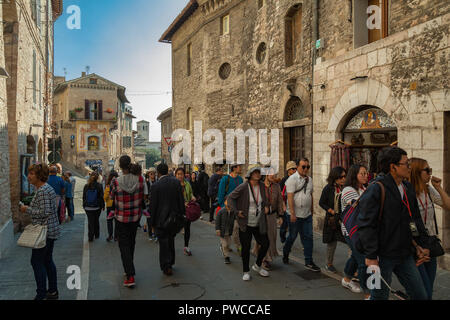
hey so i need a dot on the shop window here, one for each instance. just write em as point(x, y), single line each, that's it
point(93, 143)
point(370, 21)
point(225, 25)
point(293, 32)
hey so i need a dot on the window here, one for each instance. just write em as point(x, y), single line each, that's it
point(93, 110)
point(293, 32)
point(261, 3)
point(189, 57)
point(370, 21)
point(92, 81)
point(225, 25)
point(261, 53)
point(189, 118)
point(224, 71)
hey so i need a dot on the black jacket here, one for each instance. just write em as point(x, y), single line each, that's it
point(166, 199)
point(213, 185)
point(331, 229)
point(100, 200)
point(225, 222)
point(391, 237)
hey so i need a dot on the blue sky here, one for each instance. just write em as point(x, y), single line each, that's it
point(118, 39)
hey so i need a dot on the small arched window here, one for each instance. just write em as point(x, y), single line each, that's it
point(293, 33)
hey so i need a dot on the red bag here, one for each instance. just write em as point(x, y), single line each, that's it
point(193, 211)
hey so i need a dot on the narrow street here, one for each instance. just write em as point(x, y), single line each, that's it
point(201, 276)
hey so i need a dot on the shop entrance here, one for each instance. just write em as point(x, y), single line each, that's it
point(368, 130)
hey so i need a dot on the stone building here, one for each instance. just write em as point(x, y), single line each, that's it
point(245, 64)
point(165, 118)
point(95, 121)
point(377, 87)
point(321, 72)
point(27, 55)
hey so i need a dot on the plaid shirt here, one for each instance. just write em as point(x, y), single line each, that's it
point(43, 210)
point(128, 206)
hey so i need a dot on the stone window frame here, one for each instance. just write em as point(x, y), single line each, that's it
point(359, 20)
point(225, 31)
point(290, 38)
point(224, 71)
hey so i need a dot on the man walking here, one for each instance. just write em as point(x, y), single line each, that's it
point(299, 188)
point(166, 206)
point(127, 192)
point(213, 189)
point(203, 188)
point(57, 183)
point(71, 208)
point(386, 238)
point(291, 168)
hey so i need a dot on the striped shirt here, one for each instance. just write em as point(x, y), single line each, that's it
point(43, 210)
point(348, 195)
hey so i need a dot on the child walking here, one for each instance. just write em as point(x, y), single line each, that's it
point(224, 229)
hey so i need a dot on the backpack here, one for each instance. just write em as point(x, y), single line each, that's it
point(92, 198)
point(350, 216)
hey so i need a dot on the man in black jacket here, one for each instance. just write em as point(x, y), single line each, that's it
point(203, 188)
point(213, 190)
point(387, 240)
point(166, 201)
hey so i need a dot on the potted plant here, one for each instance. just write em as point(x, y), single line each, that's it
point(72, 115)
point(78, 109)
point(109, 110)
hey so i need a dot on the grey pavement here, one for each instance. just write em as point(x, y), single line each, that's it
point(200, 276)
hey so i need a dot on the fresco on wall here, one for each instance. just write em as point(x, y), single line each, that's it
point(92, 136)
point(373, 118)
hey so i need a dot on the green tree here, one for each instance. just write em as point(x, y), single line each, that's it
point(151, 157)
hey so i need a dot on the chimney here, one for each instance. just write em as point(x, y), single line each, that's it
point(83, 74)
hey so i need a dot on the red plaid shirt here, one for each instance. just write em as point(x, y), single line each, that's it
point(128, 206)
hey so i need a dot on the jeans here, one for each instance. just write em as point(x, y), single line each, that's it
point(284, 227)
point(126, 233)
point(246, 241)
point(187, 232)
point(93, 223)
point(357, 261)
point(111, 224)
point(44, 268)
point(428, 273)
point(407, 273)
point(70, 207)
point(166, 249)
point(304, 227)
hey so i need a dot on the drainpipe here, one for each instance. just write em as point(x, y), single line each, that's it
point(315, 36)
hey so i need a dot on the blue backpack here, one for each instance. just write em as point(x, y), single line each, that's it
point(350, 216)
point(91, 198)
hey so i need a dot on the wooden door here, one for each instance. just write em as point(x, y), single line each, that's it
point(297, 143)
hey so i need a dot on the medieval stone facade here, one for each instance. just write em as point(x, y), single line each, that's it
point(27, 55)
point(95, 121)
point(320, 71)
point(165, 118)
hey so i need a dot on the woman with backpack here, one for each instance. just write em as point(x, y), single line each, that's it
point(188, 196)
point(427, 197)
point(355, 185)
point(93, 204)
point(329, 201)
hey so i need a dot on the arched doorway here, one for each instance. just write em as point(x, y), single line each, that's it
point(294, 130)
point(368, 129)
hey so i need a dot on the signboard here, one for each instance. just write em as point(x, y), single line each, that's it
point(94, 162)
point(54, 157)
point(168, 140)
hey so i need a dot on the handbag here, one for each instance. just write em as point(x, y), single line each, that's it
point(193, 211)
point(34, 236)
point(433, 244)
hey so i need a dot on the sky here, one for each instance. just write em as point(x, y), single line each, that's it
point(118, 40)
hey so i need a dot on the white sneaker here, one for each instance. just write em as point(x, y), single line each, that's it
point(246, 276)
point(351, 285)
point(261, 271)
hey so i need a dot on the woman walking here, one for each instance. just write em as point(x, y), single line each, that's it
point(188, 196)
point(111, 222)
point(43, 211)
point(329, 201)
point(249, 201)
point(355, 185)
point(427, 197)
point(93, 204)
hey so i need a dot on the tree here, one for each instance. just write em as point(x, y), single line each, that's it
point(151, 157)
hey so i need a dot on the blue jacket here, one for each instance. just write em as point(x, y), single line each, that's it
point(224, 191)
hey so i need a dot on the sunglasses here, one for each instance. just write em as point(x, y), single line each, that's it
point(306, 167)
point(428, 170)
point(344, 176)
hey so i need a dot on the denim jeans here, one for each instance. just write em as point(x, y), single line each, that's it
point(44, 268)
point(70, 207)
point(304, 227)
point(407, 273)
point(357, 261)
point(428, 273)
point(284, 227)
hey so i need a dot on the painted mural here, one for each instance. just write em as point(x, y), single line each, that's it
point(373, 118)
point(92, 136)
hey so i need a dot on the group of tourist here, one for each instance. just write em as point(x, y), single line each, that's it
point(396, 227)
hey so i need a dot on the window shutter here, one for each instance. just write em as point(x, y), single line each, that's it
point(100, 110)
point(87, 115)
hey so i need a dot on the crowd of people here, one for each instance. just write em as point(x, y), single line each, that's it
point(395, 230)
